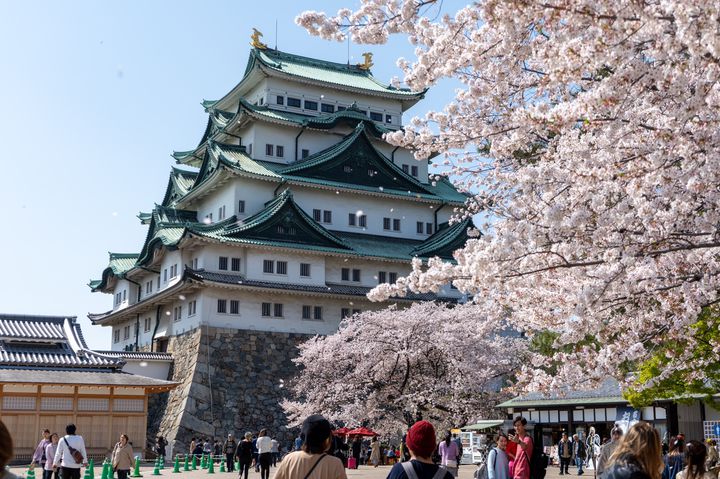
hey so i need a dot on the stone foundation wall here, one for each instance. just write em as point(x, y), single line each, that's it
point(230, 382)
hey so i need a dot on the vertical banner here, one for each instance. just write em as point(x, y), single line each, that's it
point(626, 417)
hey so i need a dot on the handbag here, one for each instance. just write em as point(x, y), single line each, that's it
point(76, 455)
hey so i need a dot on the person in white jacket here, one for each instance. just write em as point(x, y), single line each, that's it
point(64, 457)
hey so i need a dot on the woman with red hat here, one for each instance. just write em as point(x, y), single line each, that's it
point(421, 444)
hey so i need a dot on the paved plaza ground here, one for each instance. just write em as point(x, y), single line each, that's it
point(364, 472)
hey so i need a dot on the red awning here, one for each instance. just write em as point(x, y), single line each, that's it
point(362, 431)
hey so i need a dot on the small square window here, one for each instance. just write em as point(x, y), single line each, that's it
point(317, 215)
point(278, 310)
point(363, 221)
point(266, 309)
point(327, 216)
point(356, 275)
point(428, 228)
point(382, 277)
point(165, 274)
point(241, 206)
point(414, 171)
point(317, 312)
point(305, 270)
point(386, 223)
point(235, 264)
point(327, 108)
point(345, 274)
point(270, 150)
point(294, 102)
point(393, 277)
point(396, 224)
point(406, 169)
point(280, 100)
point(388, 118)
point(420, 227)
point(279, 151)
point(306, 311)
point(351, 219)
point(192, 307)
point(234, 306)
point(344, 313)
point(376, 116)
point(281, 267)
point(223, 263)
point(311, 105)
point(268, 266)
point(222, 306)
point(221, 213)
point(305, 153)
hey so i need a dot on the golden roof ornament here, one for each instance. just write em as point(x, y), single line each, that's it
point(255, 37)
point(368, 61)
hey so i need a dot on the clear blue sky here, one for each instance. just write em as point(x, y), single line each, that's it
point(94, 97)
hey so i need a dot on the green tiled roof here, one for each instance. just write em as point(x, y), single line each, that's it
point(119, 264)
point(180, 182)
point(343, 75)
point(445, 241)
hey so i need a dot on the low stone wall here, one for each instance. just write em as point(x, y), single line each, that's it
point(230, 382)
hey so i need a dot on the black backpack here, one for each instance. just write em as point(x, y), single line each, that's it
point(538, 464)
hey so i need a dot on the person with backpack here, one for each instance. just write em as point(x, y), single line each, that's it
point(524, 452)
point(578, 454)
point(71, 454)
point(498, 464)
point(420, 442)
point(313, 461)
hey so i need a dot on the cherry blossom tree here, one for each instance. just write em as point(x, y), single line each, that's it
point(588, 133)
point(388, 368)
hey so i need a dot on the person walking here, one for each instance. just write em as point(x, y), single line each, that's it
point(421, 443)
point(578, 454)
point(160, 448)
point(448, 454)
point(498, 464)
point(564, 453)
point(375, 452)
point(695, 457)
point(229, 448)
point(675, 459)
point(275, 450)
point(606, 450)
point(122, 457)
point(48, 471)
point(638, 455)
point(39, 454)
point(312, 461)
point(70, 455)
point(264, 448)
point(244, 455)
point(523, 454)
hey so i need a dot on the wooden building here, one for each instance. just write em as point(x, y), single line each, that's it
point(50, 378)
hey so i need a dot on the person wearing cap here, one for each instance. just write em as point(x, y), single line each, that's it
point(312, 461)
point(421, 442)
point(229, 447)
point(606, 450)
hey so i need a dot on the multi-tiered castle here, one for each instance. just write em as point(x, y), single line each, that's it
point(290, 209)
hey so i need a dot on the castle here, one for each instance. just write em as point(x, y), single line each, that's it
point(274, 228)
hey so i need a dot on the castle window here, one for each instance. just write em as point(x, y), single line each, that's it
point(269, 150)
point(281, 267)
point(305, 270)
point(317, 215)
point(382, 277)
point(165, 275)
point(266, 307)
point(327, 216)
point(249, 149)
point(344, 313)
point(429, 228)
point(294, 102)
point(124, 295)
point(173, 271)
point(356, 275)
point(235, 264)
point(317, 312)
point(126, 332)
point(305, 153)
point(222, 306)
point(393, 277)
point(345, 274)
point(386, 223)
point(262, 101)
point(195, 263)
point(414, 171)
point(192, 308)
point(116, 335)
point(241, 206)
point(223, 263)
point(279, 151)
point(158, 282)
point(280, 100)
point(376, 116)
point(351, 219)
point(306, 311)
point(362, 221)
point(388, 118)
point(311, 105)
point(278, 310)
point(177, 313)
point(221, 213)
point(396, 224)
point(420, 227)
point(234, 306)
point(327, 108)
point(268, 266)
point(406, 169)
point(148, 322)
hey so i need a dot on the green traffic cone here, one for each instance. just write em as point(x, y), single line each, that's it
point(161, 462)
point(105, 471)
point(176, 466)
point(91, 467)
point(211, 465)
point(186, 465)
point(222, 465)
point(194, 462)
point(87, 473)
point(156, 470)
point(136, 470)
point(237, 465)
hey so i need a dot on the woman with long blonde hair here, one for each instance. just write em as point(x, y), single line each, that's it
point(638, 456)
